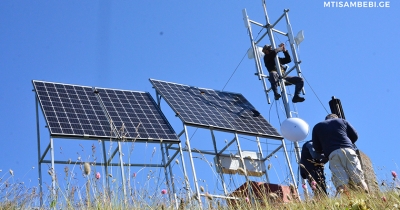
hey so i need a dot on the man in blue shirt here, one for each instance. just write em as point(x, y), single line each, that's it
point(312, 168)
point(335, 137)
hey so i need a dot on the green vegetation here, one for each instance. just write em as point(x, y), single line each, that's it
point(91, 195)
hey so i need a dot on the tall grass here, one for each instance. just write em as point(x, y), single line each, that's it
point(91, 194)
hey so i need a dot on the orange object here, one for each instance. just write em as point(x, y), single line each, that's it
point(263, 192)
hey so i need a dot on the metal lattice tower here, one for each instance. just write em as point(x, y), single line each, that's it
point(270, 27)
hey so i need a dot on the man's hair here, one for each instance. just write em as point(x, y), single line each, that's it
point(331, 116)
point(267, 47)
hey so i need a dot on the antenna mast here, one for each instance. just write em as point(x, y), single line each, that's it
point(261, 76)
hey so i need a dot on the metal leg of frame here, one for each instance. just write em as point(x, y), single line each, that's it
point(121, 161)
point(262, 155)
point(164, 162)
point(107, 184)
point(39, 154)
point(290, 166)
point(218, 161)
point(53, 170)
point(196, 185)
point(244, 166)
point(171, 178)
point(185, 172)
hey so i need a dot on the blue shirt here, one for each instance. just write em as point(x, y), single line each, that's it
point(333, 134)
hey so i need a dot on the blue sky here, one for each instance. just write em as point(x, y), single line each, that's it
point(349, 53)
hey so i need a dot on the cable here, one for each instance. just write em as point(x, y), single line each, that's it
point(234, 72)
point(239, 64)
point(269, 112)
point(314, 93)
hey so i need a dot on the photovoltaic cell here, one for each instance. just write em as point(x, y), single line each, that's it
point(218, 109)
point(136, 115)
point(72, 110)
point(80, 111)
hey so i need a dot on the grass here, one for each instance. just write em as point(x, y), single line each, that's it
point(91, 195)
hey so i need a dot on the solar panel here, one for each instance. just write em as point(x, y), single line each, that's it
point(136, 115)
point(72, 110)
point(218, 109)
point(81, 111)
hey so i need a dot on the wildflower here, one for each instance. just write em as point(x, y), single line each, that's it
point(98, 175)
point(164, 191)
point(313, 185)
point(384, 198)
point(304, 186)
point(11, 172)
point(394, 174)
point(86, 168)
point(247, 200)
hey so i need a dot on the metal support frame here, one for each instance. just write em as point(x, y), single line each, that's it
point(49, 151)
point(270, 31)
point(216, 153)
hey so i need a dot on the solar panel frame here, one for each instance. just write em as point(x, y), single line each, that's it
point(220, 110)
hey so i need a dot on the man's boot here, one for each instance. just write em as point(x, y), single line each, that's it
point(277, 96)
point(297, 98)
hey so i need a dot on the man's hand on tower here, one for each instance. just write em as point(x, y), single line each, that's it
point(282, 46)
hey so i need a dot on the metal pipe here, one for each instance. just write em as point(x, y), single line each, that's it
point(218, 161)
point(279, 32)
point(262, 155)
point(105, 166)
point(226, 147)
point(272, 153)
point(53, 170)
point(196, 185)
point(38, 144)
point(122, 171)
point(45, 153)
point(184, 171)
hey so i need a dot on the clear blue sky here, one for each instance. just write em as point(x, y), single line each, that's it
point(349, 53)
